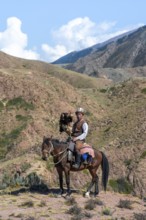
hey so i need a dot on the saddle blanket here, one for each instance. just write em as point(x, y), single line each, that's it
point(87, 149)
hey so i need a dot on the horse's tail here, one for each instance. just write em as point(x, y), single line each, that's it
point(105, 170)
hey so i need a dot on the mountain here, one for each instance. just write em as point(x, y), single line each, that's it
point(75, 55)
point(33, 94)
point(128, 51)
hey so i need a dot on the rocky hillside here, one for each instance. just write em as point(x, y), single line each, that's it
point(33, 95)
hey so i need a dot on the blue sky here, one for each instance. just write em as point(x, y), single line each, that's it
point(48, 29)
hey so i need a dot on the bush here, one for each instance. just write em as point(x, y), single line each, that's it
point(143, 90)
point(121, 185)
point(125, 204)
point(8, 140)
point(140, 216)
point(74, 210)
point(19, 102)
point(90, 205)
point(28, 203)
point(143, 155)
point(106, 211)
point(70, 201)
point(1, 106)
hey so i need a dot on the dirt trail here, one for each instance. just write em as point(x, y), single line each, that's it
point(35, 206)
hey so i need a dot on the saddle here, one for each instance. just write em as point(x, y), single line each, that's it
point(87, 154)
point(86, 148)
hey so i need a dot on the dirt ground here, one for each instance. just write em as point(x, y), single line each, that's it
point(35, 206)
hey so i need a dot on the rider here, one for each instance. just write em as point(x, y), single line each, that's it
point(79, 133)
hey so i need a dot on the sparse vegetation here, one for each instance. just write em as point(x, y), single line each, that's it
point(143, 155)
point(28, 204)
point(126, 204)
point(127, 162)
point(23, 118)
point(90, 204)
point(140, 216)
point(19, 102)
point(42, 203)
point(74, 210)
point(106, 211)
point(143, 90)
point(70, 201)
point(1, 106)
point(120, 185)
point(25, 166)
point(8, 140)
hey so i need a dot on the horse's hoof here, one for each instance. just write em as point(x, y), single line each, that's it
point(96, 195)
point(87, 194)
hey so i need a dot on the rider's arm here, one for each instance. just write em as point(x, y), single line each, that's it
point(85, 132)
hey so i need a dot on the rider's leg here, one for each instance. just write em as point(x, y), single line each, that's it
point(78, 146)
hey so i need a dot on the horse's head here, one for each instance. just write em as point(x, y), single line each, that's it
point(65, 123)
point(47, 147)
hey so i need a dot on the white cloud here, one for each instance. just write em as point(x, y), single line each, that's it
point(79, 34)
point(14, 42)
point(54, 53)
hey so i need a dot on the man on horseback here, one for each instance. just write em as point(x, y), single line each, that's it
point(79, 133)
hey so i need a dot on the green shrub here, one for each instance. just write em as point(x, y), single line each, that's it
point(28, 203)
point(23, 118)
point(140, 216)
point(90, 204)
point(106, 211)
point(127, 162)
point(1, 106)
point(7, 141)
point(70, 201)
point(125, 204)
point(14, 134)
point(143, 155)
point(19, 102)
point(143, 90)
point(103, 90)
point(25, 166)
point(74, 210)
point(121, 185)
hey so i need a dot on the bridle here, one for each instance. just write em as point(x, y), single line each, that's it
point(50, 152)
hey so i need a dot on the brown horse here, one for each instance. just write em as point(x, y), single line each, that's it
point(59, 152)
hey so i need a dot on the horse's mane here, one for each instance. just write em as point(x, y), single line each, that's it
point(56, 142)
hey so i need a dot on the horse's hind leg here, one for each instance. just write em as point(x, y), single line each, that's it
point(89, 189)
point(94, 181)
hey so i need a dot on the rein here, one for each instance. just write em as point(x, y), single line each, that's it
point(55, 155)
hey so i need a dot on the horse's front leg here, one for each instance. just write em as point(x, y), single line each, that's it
point(96, 186)
point(67, 176)
point(60, 173)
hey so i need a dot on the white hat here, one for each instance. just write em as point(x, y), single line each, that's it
point(80, 110)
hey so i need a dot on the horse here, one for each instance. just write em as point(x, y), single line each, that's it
point(59, 151)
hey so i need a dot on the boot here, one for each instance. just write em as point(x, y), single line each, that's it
point(77, 161)
point(69, 155)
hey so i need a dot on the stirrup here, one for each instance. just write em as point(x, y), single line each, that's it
point(85, 162)
point(76, 165)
